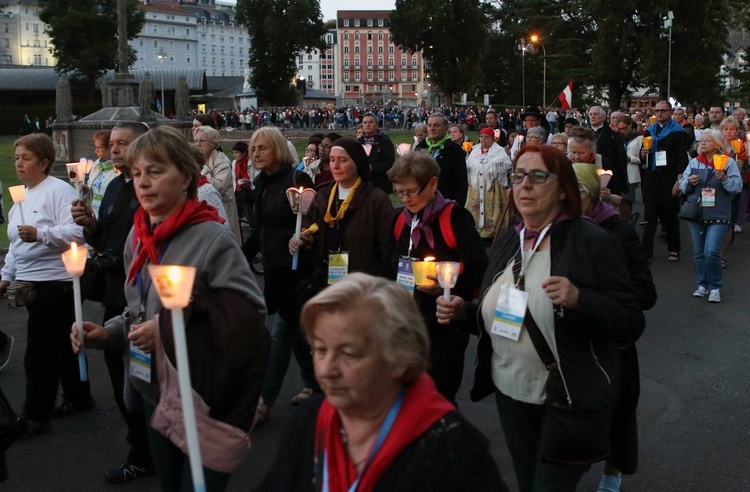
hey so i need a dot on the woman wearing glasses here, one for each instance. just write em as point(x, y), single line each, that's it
point(556, 300)
point(488, 167)
point(420, 232)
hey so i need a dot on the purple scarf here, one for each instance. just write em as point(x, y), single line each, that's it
point(529, 234)
point(601, 212)
point(429, 215)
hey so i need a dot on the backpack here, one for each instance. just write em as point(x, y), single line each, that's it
point(444, 220)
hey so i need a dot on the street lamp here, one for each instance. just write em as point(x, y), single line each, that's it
point(537, 39)
point(161, 56)
point(668, 25)
point(522, 47)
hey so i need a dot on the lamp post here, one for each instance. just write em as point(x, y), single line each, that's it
point(522, 47)
point(668, 25)
point(161, 56)
point(537, 39)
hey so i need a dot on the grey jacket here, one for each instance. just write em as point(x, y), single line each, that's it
point(722, 209)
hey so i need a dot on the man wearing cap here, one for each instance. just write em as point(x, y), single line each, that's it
point(531, 118)
point(453, 182)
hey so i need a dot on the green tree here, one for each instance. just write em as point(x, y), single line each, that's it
point(84, 35)
point(452, 36)
point(279, 31)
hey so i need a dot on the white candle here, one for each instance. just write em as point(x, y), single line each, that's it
point(300, 201)
point(18, 194)
point(75, 263)
point(175, 285)
point(447, 274)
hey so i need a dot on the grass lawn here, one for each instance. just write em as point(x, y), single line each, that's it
point(8, 173)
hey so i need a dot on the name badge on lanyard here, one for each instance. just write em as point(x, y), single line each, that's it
point(140, 363)
point(661, 158)
point(708, 197)
point(338, 266)
point(510, 311)
point(405, 275)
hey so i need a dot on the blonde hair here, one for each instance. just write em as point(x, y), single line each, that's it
point(281, 153)
point(394, 319)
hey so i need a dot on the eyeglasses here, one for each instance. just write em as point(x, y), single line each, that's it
point(535, 176)
point(404, 195)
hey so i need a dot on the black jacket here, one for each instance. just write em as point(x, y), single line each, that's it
point(610, 146)
point(451, 456)
point(382, 156)
point(453, 182)
point(586, 338)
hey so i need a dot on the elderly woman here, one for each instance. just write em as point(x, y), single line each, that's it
point(351, 221)
point(556, 300)
point(226, 336)
point(712, 188)
point(275, 224)
point(218, 171)
point(582, 148)
point(34, 276)
point(730, 131)
point(560, 141)
point(370, 351)
point(431, 226)
point(624, 432)
point(488, 167)
point(536, 136)
point(420, 133)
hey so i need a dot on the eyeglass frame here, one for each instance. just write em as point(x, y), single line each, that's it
point(536, 172)
point(409, 195)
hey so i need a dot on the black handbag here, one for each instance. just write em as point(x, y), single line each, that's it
point(569, 436)
point(691, 211)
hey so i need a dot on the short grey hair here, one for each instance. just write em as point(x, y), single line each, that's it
point(443, 118)
point(211, 134)
point(537, 131)
point(561, 137)
point(716, 136)
point(421, 126)
point(391, 316)
point(600, 109)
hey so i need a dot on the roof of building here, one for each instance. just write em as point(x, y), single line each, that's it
point(195, 78)
point(316, 94)
point(45, 78)
point(363, 14)
point(222, 83)
point(168, 7)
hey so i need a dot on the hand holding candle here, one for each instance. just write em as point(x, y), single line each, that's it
point(604, 176)
point(422, 269)
point(447, 275)
point(720, 161)
point(18, 194)
point(300, 201)
point(75, 262)
point(175, 285)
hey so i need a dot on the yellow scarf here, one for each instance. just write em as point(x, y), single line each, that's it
point(344, 206)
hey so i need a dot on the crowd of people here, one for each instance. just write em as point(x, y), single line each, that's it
point(551, 277)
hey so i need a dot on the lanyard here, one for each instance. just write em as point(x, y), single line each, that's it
point(143, 289)
point(385, 429)
point(524, 260)
point(414, 223)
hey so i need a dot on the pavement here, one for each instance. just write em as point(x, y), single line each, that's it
point(693, 414)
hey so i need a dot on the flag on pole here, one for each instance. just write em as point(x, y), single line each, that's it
point(566, 96)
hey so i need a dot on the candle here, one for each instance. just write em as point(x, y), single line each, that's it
point(736, 145)
point(520, 139)
point(468, 146)
point(75, 262)
point(604, 177)
point(175, 285)
point(403, 148)
point(652, 119)
point(747, 136)
point(300, 201)
point(720, 161)
point(422, 269)
point(18, 194)
point(647, 142)
point(447, 274)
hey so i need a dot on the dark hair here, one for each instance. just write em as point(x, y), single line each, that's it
point(241, 147)
point(558, 164)
point(357, 154)
point(332, 136)
point(314, 140)
point(136, 128)
point(626, 120)
point(41, 146)
point(205, 120)
point(321, 136)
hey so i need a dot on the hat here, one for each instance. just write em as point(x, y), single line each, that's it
point(572, 121)
point(356, 153)
point(531, 111)
point(588, 176)
point(487, 131)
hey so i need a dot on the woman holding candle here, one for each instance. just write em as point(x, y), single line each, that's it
point(420, 234)
point(624, 433)
point(34, 266)
point(381, 425)
point(488, 167)
point(218, 171)
point(556, 300)
point(735, 147)
point(712, 183)
point(226, 336)
point(275, 225)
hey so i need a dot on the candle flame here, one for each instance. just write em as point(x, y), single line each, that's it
point(429, 258)
point(74, 248)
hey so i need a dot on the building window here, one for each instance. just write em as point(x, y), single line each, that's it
point(390, 49)
point(346, 49)
point(380, 22)
point(414, 62)
point(7, 59)
point(309, 57)
point(369, 76)
point(356, 36)
point(380, 62)
point(171, 45)
point(369, 36)
point(380, 36)
point(346, 22)
point(369, 22)
point(309, 67)
point(187, 32)
point(369, 49)
point(187, 46)
point(356, 49)
point(380, 49)
point(356, 22)
point(391, 76)
point(380, 76)
point(156, 43)
point(356, 76)
point(346, 36)
point(187, 59)
point(346, 62)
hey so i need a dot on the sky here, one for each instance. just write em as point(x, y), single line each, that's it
point(329, 7)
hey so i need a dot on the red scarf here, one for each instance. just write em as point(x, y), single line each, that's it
point(422, 407)
point(151, 240)
point(702, 159)
point(202, 180)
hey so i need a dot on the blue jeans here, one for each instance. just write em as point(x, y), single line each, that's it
point(285, 339)
point(707, 239)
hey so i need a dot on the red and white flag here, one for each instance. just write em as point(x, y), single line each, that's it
point(566, 96)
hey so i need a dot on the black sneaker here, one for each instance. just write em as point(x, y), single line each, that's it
point(33, 428)
point(127, 472)
point(67, 408)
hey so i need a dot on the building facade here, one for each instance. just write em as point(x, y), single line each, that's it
point(371, 68)
point(22, 37)
point(319, 69)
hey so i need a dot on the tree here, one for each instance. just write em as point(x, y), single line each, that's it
point(452, 36)
point(84, 35)
point(279, 31)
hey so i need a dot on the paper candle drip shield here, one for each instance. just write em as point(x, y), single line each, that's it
point(300, 199)
point(604, 176)
point(403, 148)
point(736, 145)
point(447, 273)
point(17, 193)
point(173, 283)
point(75, 260)
point(647, 143)
point(720, 161)
point(467, 146)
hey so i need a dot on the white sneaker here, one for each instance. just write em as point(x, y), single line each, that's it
point(737, 228)
point(714, 296)
point(701, 292)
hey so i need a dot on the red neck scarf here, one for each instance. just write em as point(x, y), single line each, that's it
point(422, 406)
point(152, 239)
point(702, 159)
point(202, 180)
